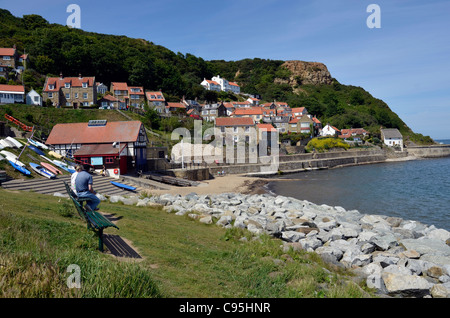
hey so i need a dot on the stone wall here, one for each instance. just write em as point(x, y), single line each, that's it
point(434, 151)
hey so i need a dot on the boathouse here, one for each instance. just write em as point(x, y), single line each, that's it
point(120, 147)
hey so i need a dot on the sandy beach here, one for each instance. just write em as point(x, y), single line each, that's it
point(224, 184)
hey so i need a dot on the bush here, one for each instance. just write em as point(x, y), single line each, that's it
point(325, 144)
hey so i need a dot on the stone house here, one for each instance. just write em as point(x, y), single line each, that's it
point(70, 91)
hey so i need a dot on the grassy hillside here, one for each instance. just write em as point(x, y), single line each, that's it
point(141, 62)
point(41, 236)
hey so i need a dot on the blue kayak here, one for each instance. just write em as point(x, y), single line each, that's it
point(19, 168)
point(123, 186)
point(36, 150)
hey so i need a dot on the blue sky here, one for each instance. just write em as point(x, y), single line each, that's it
point(405, 63)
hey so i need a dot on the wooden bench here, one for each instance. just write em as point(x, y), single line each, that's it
point(95, 220)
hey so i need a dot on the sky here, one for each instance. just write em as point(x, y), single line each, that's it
point(405, 62)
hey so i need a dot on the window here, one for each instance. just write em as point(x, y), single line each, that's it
point(109, 160)
point(6, 58)
point(85, 103)
point(85, 85)
point(50, 86)
point(85, 95)
point(67, 85)
point(67, 95)
point(68, 104)
point(50, 95)
point(76, 95)
point(36, 98)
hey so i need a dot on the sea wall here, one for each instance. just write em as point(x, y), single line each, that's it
point(433, 151)
point(303, 162)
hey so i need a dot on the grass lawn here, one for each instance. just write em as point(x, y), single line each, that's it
point(41, 235)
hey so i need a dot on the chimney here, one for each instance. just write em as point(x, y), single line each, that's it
point(79, 75)
point(60, 75)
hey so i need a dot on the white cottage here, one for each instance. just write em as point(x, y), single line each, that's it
point(33, 98)
point(392, 138)
point(329, 130)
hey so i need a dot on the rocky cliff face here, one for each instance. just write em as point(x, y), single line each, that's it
point(306, 73)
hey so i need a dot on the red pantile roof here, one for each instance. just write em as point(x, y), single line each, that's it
point(12, 88)
point(234, 121)
point(266, 127)
point(119, 86)
point(7, 51)
point(80, 133)
point(59, 82)
point(248, 111)
point(155, 96)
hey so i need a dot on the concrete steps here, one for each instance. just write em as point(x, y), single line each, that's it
point(49, 186)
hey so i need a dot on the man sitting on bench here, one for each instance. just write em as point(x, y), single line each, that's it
point(84, 187)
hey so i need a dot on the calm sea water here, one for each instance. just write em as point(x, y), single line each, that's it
point(413, 190)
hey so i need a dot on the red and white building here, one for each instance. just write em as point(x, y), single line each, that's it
point(120, 146)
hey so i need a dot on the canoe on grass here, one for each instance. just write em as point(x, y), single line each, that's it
point(36, 150)
point(19, 168)
point(37, 144)
point(42, 171)
point(51, 168)
point(11, 157)
point(55, 154)
point(16, 143)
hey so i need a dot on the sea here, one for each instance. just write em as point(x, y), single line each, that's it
point(416, 190)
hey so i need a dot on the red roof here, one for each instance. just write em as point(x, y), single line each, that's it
point(298, 110)
point(80, 133)
point(155, 96)
point(266, 127)
point(140, 88)
point(234, 121)
point(59, 82)
point(12, 88)
point(7, 51)
point(119, 86)
point(248, 111)
point(177, 105)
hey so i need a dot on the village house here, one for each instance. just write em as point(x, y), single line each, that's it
point(256, 113)
point(110, 102)
point(357, 134)
point(300, 125)
point(218, 84)
point(392, 138)
point(33, 98)
point(212, 111)
point(211, 85)
point(119, 146)
point(101, 88)
point(176, 108)
point(194, 113)
point(281, 123)
point(236, 129)
point(12, 94)
point(133, 96)
point(266, 132)
point(70, 91)
point(331, 131)
point(156, 100)
point(253, 101)
point(299, 111)
point(8, 60)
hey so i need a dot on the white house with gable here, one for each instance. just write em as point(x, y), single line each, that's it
point(33, 98)
point(392, 138)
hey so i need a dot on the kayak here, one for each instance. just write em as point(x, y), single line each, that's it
point(6, 143)
point(55, 154)
point(16, 143)
point(51, 168)
point(63, 166)
point(36, 150)
point(123, 186)
point(19, 168)
point(11, 157)
point(37, 144)
point(42, 171)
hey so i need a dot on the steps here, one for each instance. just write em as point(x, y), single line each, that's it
point(102, 185)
